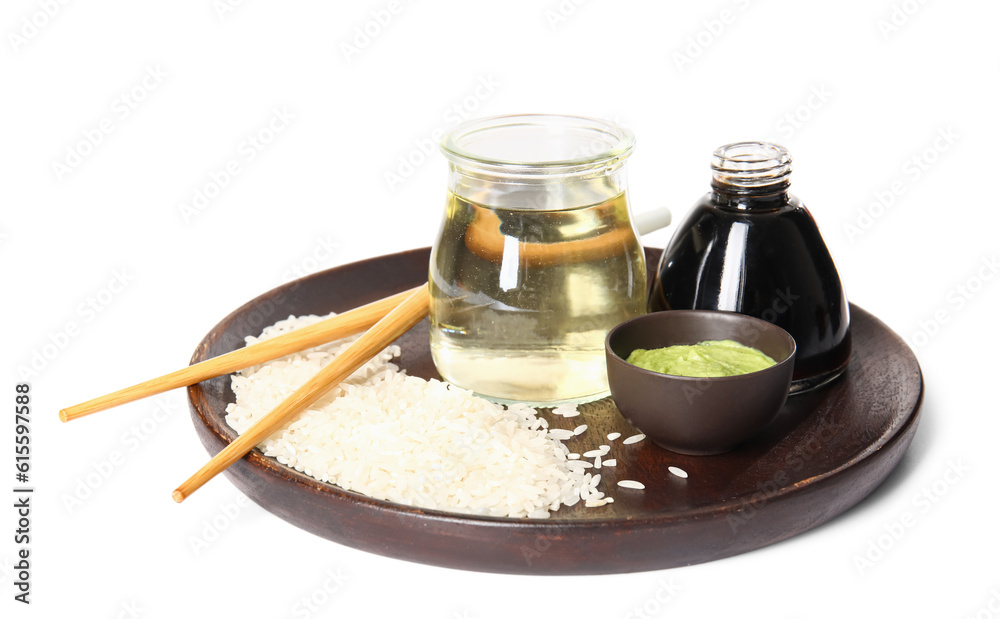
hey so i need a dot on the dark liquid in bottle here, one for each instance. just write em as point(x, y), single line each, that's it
point(763, 257)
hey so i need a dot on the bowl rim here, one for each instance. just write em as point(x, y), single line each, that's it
point(778, 366)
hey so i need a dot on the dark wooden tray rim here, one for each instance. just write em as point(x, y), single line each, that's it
point(871, 414)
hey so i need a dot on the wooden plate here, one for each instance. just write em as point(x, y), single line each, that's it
point(824, 453)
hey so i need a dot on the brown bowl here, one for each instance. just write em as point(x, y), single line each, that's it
point(698, 416)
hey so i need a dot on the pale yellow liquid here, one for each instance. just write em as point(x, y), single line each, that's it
point(522, 300)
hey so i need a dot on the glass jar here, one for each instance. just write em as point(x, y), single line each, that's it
point(749, 246)
point(537, 257)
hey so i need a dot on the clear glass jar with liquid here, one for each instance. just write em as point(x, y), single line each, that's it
point(537, 257)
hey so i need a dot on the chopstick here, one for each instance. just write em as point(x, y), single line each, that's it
point(384, 332)
point(341, 325)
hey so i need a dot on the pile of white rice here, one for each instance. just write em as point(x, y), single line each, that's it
point(411, 441)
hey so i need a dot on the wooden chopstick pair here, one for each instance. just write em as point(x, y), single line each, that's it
point(385, 320)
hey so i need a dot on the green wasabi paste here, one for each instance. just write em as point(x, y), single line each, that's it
point(704, 359)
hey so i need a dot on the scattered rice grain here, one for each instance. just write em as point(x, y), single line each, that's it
point(628, 483)
point(560, 434)
point(634, 439)
point(566, 410)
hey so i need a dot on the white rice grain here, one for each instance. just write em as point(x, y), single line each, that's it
point(407, 440)
point(560, 434)
point(634, 485)
point(634, 439)
point(566, 410)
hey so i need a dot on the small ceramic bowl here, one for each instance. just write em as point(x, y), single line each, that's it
point(698, 416)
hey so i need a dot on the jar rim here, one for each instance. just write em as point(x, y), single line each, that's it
point(609, 142)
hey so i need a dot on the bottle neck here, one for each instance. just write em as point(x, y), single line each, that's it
point(761, 199)
point(751, 176)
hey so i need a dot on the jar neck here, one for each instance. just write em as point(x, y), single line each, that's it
point(751, 176)
point(538, 193)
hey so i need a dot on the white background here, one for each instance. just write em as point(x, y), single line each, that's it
point(865, 97)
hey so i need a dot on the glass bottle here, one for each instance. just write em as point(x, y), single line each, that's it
point(749, 246)
point(537, 257)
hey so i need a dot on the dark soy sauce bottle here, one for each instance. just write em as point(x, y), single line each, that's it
point(750, 247)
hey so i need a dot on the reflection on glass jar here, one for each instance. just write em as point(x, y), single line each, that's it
point(537, 257)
